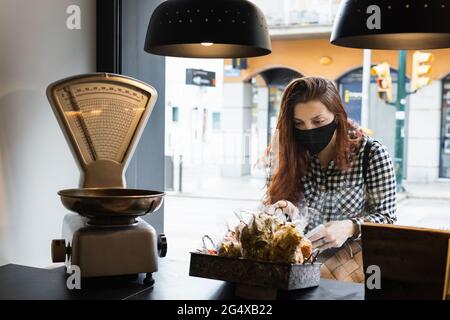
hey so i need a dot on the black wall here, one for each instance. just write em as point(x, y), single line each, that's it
point(127, 21)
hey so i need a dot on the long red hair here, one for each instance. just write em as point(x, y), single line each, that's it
point(293, 160)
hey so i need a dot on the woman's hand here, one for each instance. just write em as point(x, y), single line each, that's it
point(287, 208)
point(331, 235)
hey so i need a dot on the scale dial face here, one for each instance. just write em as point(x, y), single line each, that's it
point(102, 116)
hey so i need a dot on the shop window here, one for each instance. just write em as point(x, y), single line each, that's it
point(444, 171)
point(175, 114)
point(216, 120)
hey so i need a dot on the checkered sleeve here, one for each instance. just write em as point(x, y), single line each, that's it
point(380, 187)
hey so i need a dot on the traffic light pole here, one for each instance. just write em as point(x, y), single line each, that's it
point(400, 121)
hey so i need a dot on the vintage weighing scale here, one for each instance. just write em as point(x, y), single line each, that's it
point(103, 116)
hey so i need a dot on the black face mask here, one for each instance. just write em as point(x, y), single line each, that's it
point(315, 140)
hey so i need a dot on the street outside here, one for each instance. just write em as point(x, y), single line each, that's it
point(208, 207)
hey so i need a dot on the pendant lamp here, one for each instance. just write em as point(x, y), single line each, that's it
point(392, 24)
point(208, 29)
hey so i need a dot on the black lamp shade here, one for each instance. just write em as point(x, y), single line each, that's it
point(404, 24)
point(208, 29)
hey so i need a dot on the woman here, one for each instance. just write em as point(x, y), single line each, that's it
point(320, 163)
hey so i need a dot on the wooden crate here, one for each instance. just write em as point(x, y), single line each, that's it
point(414, 262)
point(255, 279)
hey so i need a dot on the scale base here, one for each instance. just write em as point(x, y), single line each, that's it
point(110, 251)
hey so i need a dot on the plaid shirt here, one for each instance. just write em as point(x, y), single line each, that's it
point(338, 195)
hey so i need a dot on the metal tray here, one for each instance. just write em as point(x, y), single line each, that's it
point(111, 202)
point(241, 271)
